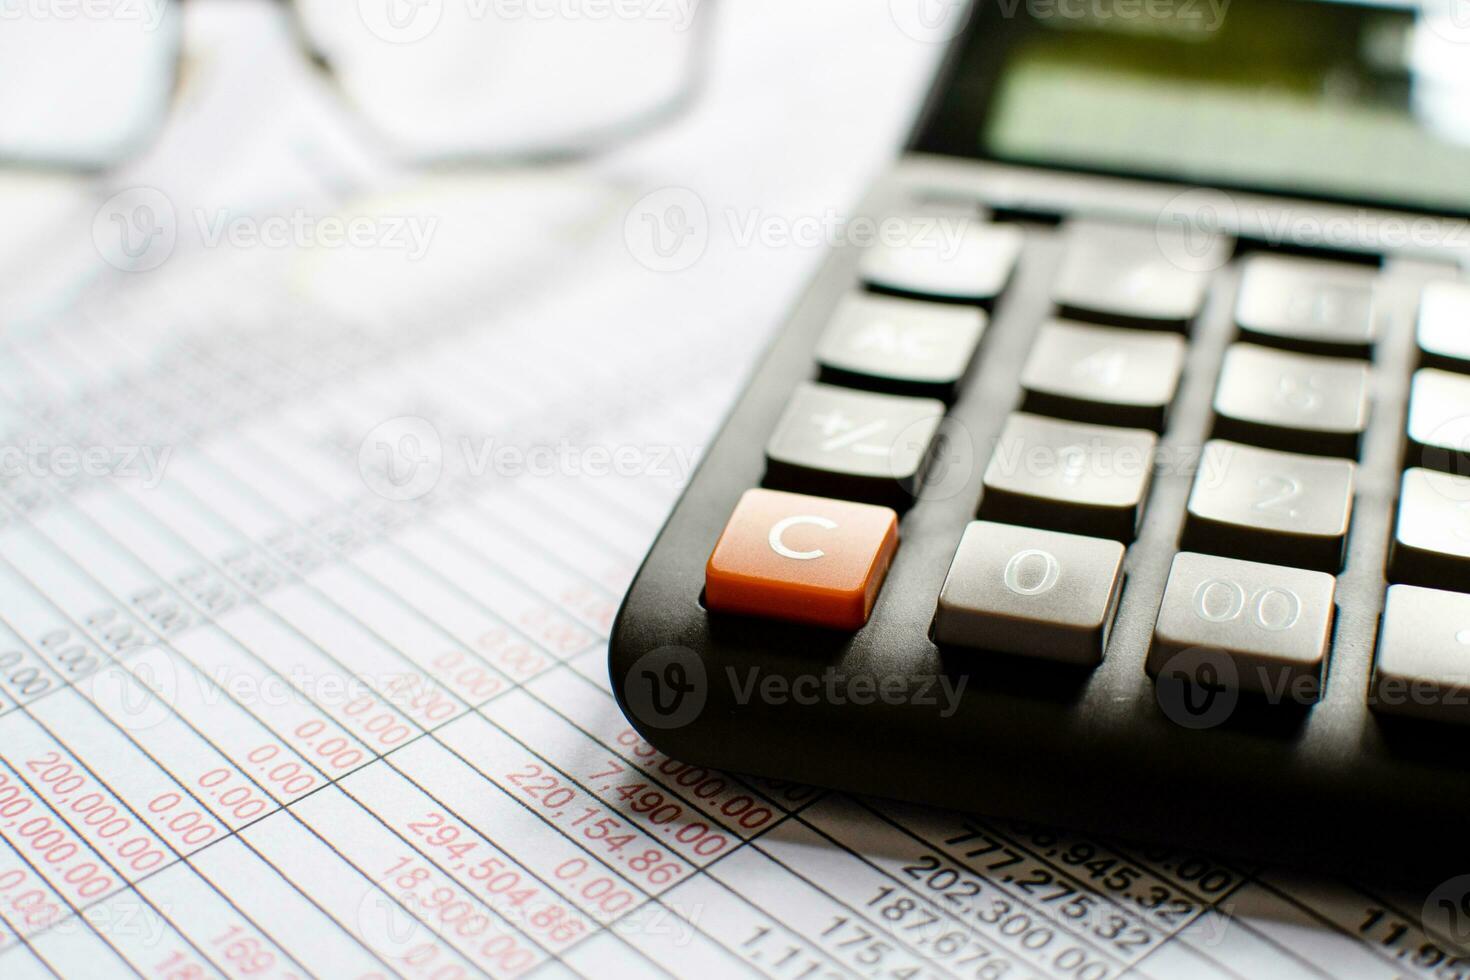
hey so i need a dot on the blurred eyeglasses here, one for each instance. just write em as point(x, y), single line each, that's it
point(86, 83)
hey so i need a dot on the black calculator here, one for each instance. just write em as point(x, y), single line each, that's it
point(1114, 472)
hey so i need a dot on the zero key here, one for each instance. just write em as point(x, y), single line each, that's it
point(800, 558)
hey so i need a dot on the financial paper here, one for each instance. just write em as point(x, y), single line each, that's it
point(308, 557)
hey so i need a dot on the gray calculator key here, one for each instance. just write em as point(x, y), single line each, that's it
point(1121, 273)
point(1296, 402)
point(837, 442)
point(1422, 667)
point(1439, 421)
point(901, 345)
point(1308, 305)
point(1067, 476)
point(1272, 623)
point(1033, 593)
point(1284, 508)
point(1105, 374)
point(1431, 538)
point(1444, 325)
point(945, 257)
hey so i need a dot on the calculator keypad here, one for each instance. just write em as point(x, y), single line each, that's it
point(1431, 539)
point(1039, 574)
point(1444, 326)
point(1423, 662)
point(1029, 592)
point(844, 443)
point(900, 345)
point(1272, 623)
point(1285, 508)
point(1068, 476)
point(949, 258)
point(1294, 402)
point(1112, 375)
point(1120, 273)
point(1439, 421)
point(1308, 305)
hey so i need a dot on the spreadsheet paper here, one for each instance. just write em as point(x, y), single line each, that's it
point(308, 562)
point(263, 720)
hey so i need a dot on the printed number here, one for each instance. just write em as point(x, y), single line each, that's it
point(1270, 608)
point(1278, 490)
point(1032, 572)
point(1302, 393)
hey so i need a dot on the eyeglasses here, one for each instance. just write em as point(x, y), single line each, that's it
point(86, 83)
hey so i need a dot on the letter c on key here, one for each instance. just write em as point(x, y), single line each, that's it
point(779, 528)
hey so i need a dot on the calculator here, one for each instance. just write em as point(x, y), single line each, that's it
point(1114, 470)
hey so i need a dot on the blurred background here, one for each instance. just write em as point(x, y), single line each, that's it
point(325, 185)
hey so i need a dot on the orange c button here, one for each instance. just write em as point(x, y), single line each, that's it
point(805, 559)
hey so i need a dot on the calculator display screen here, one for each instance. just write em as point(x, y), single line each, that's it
point(1333, 100)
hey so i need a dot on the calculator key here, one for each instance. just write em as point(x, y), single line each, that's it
point(1296, 402)
point(1272, 623)
point(843, 443)
point(1103, 374)
point(1308, 305)
point(900, 345)
point(800, 558)
point(1121, 273)
point(1085, 479)
point(957, 259)
point(1283, 508)
point(1422, 667)
point(1439, 421)
point(1431, 539)
point(1032, 593)
point(1444, 326)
